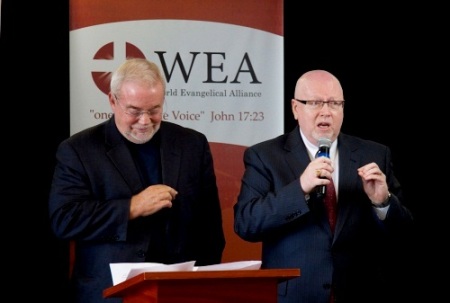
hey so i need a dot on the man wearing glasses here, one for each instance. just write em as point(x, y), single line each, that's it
point(135, 188)
point(352, 257)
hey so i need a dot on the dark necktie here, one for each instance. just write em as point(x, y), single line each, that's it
point(331, 204)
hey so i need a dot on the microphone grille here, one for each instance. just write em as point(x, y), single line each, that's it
point(324, 142)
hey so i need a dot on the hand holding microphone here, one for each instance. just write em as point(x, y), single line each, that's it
point(324, 151)
point(319, 168)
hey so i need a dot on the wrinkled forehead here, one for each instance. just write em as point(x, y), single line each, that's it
point(328, 90)
point(320, 87)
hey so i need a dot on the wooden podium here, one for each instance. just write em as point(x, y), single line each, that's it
point(228, 286)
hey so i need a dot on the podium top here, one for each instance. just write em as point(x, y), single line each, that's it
point(277, 274)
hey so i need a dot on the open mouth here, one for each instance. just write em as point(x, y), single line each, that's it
point(323, 125)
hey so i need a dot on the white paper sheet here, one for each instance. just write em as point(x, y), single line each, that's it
point(239, 265)
point(123, 271)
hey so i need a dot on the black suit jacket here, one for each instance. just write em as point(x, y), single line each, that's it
point(94, 179)
point(272, 209)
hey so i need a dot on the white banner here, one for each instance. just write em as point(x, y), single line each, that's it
point(229, 90)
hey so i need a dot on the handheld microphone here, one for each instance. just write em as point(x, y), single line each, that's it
point(324, 151)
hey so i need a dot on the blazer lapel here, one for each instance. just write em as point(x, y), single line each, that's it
point(120, 155)
point(170, 158)
point(348, 177)
point(297, 157)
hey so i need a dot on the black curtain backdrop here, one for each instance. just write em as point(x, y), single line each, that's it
point(378, 54)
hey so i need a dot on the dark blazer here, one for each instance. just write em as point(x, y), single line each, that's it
point(272, 208)
point(94, 179)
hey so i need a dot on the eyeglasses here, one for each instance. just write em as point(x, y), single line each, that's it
point(316, 104)
point(135, 113)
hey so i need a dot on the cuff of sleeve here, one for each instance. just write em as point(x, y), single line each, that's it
point(385, 203)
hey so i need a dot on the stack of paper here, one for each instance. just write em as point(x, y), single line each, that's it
point(123, 271)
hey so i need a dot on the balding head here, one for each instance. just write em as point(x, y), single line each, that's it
point(317, 83)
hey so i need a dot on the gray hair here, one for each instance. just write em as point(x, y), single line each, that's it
point(136, 70)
